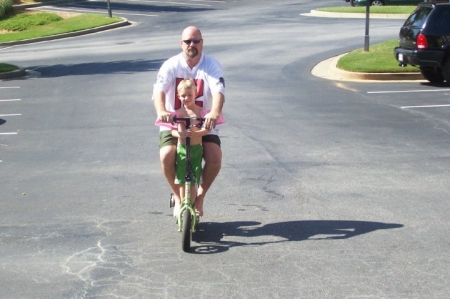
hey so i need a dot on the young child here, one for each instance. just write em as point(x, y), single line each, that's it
point(186, 93)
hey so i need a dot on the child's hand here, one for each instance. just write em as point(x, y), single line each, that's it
point(186, 133)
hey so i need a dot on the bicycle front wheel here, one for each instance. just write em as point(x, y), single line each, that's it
point(186, 233)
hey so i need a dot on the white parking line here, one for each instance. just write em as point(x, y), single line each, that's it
point(9, 133)
point(409, 91)
point(10, 100)
point(9, 86)
point(425, 106)
point(10, 115)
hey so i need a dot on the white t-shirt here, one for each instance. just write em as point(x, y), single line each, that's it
point(207, 74)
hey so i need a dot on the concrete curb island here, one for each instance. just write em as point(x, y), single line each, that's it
point(327, 69)
point(13, 74)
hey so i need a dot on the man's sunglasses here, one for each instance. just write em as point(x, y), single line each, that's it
point(189, 41)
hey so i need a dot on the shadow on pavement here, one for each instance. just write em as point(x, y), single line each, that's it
point(436, 84)
point(94, 68)
point(211, 235)
point(139, 7)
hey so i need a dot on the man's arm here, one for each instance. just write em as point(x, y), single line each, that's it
point(216, 109)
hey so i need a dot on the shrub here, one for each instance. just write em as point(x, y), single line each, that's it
point(6, 6)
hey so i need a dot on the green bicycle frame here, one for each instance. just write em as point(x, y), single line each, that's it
point(187, 202)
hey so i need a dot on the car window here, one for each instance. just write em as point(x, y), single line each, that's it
point(418, 17)
point(441, 20)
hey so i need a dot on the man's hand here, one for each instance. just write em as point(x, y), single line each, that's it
point(211, 120)
point(165, 117)
point(214, 115)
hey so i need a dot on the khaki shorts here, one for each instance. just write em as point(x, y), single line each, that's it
point(166, 138)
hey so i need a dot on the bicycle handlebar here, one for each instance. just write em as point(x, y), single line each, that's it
point(188, 120)
point(177, 119)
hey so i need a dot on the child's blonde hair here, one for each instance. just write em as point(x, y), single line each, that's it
point(186, 84)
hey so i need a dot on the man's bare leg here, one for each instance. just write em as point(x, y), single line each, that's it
point(167, 155)
point(213, 162)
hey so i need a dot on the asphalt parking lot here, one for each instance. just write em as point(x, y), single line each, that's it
point(329, 188)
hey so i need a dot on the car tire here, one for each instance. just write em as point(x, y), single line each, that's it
point(432, 74)
point(446, 71)
point(352, 2)
point(376, 3)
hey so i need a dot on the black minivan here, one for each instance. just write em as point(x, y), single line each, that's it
point(424, 41)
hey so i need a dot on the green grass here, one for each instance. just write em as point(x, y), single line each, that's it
point(373, 9)
point(55, 26)
point(379, 59)
point(4, 67)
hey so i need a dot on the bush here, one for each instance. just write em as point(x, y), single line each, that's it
point(6, 6)
point(26, 21)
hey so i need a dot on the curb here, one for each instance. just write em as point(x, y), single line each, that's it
point(327, 69)
point(13, 74)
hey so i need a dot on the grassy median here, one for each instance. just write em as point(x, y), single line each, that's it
point(23, 25)
point(379, 59)
point(26, 25)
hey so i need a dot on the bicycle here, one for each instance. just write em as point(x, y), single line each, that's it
point(186, 219)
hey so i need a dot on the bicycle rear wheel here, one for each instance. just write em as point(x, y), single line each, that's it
point(186, 233)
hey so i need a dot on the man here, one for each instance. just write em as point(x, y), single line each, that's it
point(208, 76)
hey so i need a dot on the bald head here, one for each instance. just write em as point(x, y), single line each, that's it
point(191, 32)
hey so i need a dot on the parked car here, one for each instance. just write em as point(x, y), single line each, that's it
point(424, 41)
point(383, 2)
